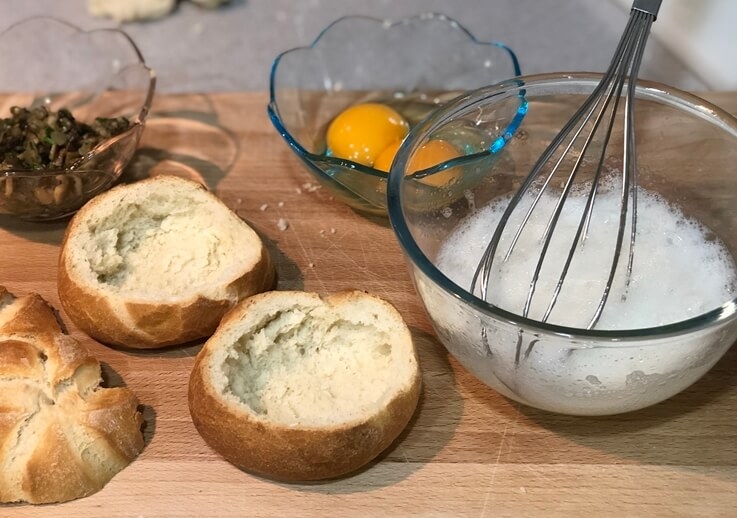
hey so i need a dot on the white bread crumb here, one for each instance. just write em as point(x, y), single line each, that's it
point(301, 361)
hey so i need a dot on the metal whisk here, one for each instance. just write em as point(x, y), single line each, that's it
point(598, 113)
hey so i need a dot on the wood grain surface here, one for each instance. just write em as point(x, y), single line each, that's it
point(467, 452)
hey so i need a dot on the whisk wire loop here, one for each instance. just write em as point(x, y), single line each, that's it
point(612, 92)
point(629, 162)
point(571, 144)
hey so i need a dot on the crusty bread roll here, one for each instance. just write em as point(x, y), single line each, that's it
point(62, 436)
point(157, 263)
point(296, 387)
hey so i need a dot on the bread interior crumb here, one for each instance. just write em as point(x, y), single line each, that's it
point(164, 243)
point(312, 367)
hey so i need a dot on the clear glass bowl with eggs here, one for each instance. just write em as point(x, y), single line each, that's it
point(344, 103)
point(658, 333)
point(100, 78)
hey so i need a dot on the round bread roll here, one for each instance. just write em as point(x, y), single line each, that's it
point(295, 387)
point(62, 436)
point(157, 263)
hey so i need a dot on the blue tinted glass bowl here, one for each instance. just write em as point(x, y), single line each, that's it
point(100, 73)
point(419, 62)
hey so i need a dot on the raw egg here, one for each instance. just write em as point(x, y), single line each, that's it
point(361, 132)
point(384, 160)
point(430, 154)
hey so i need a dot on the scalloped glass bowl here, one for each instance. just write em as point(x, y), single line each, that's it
point(686, 153)
point(414, 64)
point(98, 73)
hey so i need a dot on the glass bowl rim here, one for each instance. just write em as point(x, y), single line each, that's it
point(135, 124)
point(273, 109)
point(665, 93)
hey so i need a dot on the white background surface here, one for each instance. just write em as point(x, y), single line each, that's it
point(703, 34)
point(232, 48)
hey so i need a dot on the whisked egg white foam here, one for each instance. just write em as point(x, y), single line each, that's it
point(679, 270)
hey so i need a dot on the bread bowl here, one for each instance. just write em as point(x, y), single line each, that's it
point(62, 436)
point(296, 387)
point(157, 263)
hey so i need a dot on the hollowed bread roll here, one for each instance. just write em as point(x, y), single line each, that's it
point(157, 263)
point(295, 387)
point(62, 436)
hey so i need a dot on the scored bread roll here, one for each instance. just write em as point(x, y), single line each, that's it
point(157, 262)
point(296, 387)
point(62, 436)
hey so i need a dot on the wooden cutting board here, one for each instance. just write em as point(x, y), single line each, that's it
point(467, 452)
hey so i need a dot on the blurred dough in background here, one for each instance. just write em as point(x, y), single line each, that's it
point(134, 10)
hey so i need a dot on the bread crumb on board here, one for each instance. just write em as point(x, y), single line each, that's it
point(263, 207)
point(282, 224)
point(324, 232)
point(311, 187)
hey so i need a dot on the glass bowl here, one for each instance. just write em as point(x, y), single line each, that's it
point(413, 64)
point(97, 74)
point(686, 156)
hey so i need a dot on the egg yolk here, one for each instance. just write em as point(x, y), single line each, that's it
point(361, 132)
point(430, 154)
point(384, 160)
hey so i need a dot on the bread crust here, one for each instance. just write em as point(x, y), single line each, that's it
point(62, 436)
point(294, 453)
point(116, 319)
